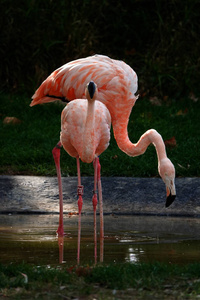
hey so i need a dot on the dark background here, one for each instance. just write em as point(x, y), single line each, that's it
point(159, 39)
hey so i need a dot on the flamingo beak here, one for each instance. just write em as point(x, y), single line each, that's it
point(170, 198)
point(91, 89)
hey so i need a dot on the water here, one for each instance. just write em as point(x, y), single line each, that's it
point(32, 239)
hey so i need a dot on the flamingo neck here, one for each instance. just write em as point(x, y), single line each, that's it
point(88, 152)
point(150, 136)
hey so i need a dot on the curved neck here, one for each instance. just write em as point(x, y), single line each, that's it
point(150, 136)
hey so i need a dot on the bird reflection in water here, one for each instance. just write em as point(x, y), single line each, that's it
point(61, 250)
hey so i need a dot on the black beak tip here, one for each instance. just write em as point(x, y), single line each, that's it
point(170, 199)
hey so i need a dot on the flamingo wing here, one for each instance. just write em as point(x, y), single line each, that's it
point(116, 81)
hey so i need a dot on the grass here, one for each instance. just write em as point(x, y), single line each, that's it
point(114, 281)
point(26, 147)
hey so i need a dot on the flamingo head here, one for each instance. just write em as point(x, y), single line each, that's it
point(91, 91)
point(167, 172)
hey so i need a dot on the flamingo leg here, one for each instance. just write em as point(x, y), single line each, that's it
point(80, 204)
point(101, 210)
point(94, 201)
point(56, 156)
point(61, 249)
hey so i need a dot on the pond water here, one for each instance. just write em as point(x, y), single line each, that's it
point(32, 239)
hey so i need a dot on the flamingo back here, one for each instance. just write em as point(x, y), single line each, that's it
point(116, 81)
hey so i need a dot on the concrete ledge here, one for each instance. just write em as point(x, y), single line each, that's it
point(121, 195)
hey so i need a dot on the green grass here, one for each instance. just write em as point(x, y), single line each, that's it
point(114, 281)
point(26, 147)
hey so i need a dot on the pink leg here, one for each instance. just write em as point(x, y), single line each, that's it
point(94, 201)
point(80, 204)
point(101, 210)
point(56, 156)
point(61, 249)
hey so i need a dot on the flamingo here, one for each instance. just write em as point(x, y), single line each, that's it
point(117, 87)
point(85, 134)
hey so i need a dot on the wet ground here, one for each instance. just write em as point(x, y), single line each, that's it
point(32, 239)
point(138, 228)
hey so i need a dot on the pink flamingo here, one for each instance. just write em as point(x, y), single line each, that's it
point(117, 86)
point(85, 134)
